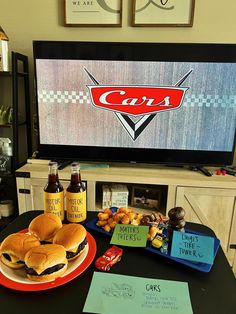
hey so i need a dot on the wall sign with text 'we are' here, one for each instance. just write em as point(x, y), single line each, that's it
point(93, 13)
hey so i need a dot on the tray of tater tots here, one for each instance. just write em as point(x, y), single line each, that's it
point(107, 219)
point(158, 238)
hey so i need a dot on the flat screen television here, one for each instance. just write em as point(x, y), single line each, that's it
point(136, 102)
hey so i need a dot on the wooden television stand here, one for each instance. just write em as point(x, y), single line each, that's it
point(209, 200)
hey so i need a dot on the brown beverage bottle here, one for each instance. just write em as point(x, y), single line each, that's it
point(76, 202)
point(53, 192)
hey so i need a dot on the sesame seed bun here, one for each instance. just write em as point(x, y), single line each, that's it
point(14, 248)
point(45, 226)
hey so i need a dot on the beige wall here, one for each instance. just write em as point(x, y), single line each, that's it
point(28, 20)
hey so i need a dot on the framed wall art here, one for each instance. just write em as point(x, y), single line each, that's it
point(95, 13)
point(163, 13)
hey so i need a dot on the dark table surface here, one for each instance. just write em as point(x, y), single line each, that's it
point(210, 293)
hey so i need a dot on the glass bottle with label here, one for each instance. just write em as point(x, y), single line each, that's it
point(76, 202)
point(54, 193)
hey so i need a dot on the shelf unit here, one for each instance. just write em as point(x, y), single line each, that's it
point(14, 92)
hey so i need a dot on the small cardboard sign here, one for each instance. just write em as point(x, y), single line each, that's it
point(129, 235)
point(193, 247)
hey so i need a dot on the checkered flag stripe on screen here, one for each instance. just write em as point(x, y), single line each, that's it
point(81, 97)
point(209, 101)
point(73, 97)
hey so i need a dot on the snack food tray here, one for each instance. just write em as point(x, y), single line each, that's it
point(203, 267)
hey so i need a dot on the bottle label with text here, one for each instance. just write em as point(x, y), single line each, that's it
point(76, 206)
point(54, 203)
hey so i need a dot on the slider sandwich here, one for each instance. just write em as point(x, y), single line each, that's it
point(45, 262)
point(44, 227)
point(14, 248)
point(73, 238)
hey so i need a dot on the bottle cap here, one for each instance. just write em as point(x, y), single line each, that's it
point(53, 163)
point(75, 164)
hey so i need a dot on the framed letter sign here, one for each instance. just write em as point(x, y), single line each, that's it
point(163, 13)
point(93, 13)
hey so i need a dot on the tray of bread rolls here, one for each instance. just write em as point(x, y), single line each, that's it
point(161, 228)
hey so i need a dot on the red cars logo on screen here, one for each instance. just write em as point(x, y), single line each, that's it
point(136, 100)
point(143, 102)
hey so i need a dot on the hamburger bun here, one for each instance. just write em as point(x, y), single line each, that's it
point(14, 248)
point(46, 262)
point(44, 227)
point(73, 238)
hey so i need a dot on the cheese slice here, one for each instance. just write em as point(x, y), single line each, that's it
point(39, 269)
point(14, 259)
point(73, 250)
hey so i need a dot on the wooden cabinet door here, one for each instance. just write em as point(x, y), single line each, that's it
point(214, 208)
point(24, 194)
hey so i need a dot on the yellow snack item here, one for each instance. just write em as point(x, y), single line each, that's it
point(108, 211)
point(157, 242)
point(152, 233)
point(101, 223)
point(125, 220)
point(107, 228)
point(112, 223)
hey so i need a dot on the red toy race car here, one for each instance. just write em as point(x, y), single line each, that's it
point(109, 258)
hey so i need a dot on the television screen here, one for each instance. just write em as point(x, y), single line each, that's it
point(136, 102)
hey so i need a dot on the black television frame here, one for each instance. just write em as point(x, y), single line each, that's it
point(191, 52)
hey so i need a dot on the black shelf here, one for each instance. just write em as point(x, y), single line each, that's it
point(5, 73)
point(9, 125)
point(10, 74)
point(18, 80)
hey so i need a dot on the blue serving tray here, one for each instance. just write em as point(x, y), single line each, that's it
point(203, 267)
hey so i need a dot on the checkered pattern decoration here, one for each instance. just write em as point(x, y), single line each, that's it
point(209, 101)
point(82, 97)
point(59, 97)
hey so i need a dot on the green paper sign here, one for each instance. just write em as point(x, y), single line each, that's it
point(116, 294)
point(129, 235)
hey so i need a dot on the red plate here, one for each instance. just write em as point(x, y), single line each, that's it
point(92, 248)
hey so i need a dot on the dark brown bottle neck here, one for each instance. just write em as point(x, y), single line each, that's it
point(53, 178)
point(75, 178)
